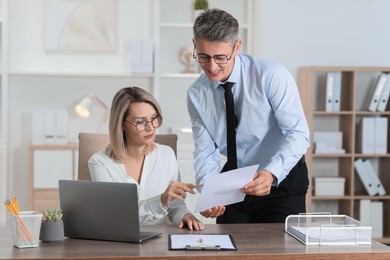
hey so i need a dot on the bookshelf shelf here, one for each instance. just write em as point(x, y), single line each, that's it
point(357, 87)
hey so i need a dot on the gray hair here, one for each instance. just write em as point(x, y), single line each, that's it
point(216, 25)
point(120, 109)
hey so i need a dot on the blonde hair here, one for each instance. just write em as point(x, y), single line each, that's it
point(120, 109)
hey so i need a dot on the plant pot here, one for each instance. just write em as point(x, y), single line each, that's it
point(51, 231)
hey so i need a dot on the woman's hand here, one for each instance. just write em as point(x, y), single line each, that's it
point(191, 222)
point(213, 212)
point(176, 190)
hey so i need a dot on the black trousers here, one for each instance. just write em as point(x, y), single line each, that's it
point(286, 199)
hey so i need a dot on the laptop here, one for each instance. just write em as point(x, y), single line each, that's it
point(101, 211)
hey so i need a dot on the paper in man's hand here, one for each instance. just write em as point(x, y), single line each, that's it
point(224, 188)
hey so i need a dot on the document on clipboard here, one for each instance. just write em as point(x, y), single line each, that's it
point(201, 242)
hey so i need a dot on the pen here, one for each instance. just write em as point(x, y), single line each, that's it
point(198, 185)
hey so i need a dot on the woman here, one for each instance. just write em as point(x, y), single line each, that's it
point(132, 156)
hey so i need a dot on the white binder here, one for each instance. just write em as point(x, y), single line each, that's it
point(384, 96)
point(136, 56)
point(378, 92)
point(376, 182)
point(365, 177)
point(329, 91)
point(376, 218)
point(336, 91)
point(147, 56)
point(380, 135)
point(37, 127)
point(49, 126)
point(367, 135)
point(61, 126)
point(365, 212)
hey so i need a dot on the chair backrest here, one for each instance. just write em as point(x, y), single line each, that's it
point(89, 143)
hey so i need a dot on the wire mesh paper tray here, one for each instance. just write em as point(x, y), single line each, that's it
point(327, 229)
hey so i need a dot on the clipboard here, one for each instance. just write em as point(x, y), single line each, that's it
point(202, 242)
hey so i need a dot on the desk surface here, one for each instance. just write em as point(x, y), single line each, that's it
point(254, 241)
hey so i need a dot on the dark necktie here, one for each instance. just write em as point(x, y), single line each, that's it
point(230, 128)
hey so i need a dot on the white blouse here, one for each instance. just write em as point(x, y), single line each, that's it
point(159, 169)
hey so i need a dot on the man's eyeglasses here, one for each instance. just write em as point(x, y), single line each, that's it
point(219, 59)
point(141, 125)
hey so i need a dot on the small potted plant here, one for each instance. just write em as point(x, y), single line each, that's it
point(52, 227)
point(199, 7)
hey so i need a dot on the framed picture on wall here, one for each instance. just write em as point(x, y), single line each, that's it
point(80, 25)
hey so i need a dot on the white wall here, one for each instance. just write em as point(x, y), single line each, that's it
point(293, 32)
point(323, 32)
point(26, 37)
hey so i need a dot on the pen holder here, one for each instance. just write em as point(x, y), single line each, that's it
point(25, 228)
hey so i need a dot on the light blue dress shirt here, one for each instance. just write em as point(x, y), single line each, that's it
point(272, 130)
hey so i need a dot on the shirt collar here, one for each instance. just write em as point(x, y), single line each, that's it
point(234, 76)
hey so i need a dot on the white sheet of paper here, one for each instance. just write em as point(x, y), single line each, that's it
point(224, 188)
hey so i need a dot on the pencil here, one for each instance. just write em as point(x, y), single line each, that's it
point(13, 208)
point(198, 185)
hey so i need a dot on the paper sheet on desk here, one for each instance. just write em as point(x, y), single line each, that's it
point(224, 188)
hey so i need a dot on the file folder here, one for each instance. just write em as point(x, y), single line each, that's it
point(366, 136)
point(336, 91)
point(376, 183)
point(38, 127)
point(365, 211)
point(329, 92)
point(376, 216)
point(380, 135)
point(384, 96)
point(378, 92)
point(365, 177)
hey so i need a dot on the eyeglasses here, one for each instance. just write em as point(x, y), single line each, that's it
point(141, 125)
point(219, 59)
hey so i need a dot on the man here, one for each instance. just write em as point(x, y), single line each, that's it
point(267, 123)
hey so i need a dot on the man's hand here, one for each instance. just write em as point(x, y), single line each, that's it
point(213, 212)
point(260, 185)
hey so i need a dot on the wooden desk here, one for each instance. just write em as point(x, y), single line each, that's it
point(254, 241)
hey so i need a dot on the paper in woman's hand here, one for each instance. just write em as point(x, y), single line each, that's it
point(224, 188)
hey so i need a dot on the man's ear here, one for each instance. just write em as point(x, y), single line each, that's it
point(193, 41)
point(238, 47)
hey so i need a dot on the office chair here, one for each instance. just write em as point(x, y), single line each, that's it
point(89, 143)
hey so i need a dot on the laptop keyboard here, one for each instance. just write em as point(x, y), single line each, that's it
point(144, 234)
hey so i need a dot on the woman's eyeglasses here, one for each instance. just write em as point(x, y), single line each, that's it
point(141, 125)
